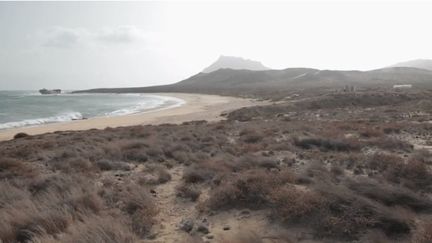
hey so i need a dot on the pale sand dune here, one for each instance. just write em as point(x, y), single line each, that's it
point(197, 107)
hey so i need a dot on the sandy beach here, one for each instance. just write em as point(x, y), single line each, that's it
point(196, 107)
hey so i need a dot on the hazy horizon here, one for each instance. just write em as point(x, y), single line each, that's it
point(80, 45)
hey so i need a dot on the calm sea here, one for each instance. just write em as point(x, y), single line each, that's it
point(29, 108)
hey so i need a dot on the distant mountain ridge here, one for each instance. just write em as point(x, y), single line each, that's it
point(236, 63)
point(418, 63)
point(244, 82)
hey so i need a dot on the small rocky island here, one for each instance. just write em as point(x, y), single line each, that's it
point(50, 91)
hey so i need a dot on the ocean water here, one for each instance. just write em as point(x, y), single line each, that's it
point(29, 108)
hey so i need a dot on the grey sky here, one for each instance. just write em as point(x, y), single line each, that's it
point(114, 44)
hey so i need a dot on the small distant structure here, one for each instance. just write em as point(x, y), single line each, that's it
point(402, 86)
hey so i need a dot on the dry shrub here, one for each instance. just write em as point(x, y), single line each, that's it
point(170, 149)
point(317, 171)
point(21, 135)
point(383, 161)
point(85, 202)
point(390, 195)
point(100, 229)
point(130, 145)
point(423, 155)
point(253, 137)
point(134, 151)
point(392, 129)
point(188, 191)
point(12, 168)
point(249, 189)
point(346, 215)
point(250, 161)
point(413, 174)
point(163, 175)
point(369, 132)
point(291, 204)
point(204, 171)
point(251, 148)
point(391, 144)
point(135, 155)
point(326, 144)
point(181, 156)
point(76, 164)
point(112, 151)
point(45, 223)
point(139, 205)
point(154, 152)
point(155, 174)
point(417, 173)
point(112, 165)
point(27, 219)
point(337, 170)
point(9, 194)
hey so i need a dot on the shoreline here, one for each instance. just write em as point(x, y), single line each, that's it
point(195, 107)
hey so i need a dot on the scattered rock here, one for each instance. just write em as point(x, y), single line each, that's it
point(203, 229)
point(209, 236)
point(186, 225)
point(226, 227)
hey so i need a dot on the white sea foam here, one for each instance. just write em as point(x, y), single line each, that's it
point(63, 117)
point(157, 103)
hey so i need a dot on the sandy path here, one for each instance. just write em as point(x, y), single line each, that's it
point(197, 107)
point(171, 210)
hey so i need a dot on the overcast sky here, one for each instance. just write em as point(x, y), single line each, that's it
point(119, 44)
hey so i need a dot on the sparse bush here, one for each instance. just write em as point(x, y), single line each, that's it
point(391, 195)
point(249, 189)
point(21, 135)
point(139, 205)
point(336, 170)
point(11, 168)
point(155, 174)
point(250, 136)
point(423, 156)
point(100, 229)
point(371, 132)
point(290, 204)
point(391, 144)
point(198, 173)
point(383, 161)
point(346, 215)
point(325, 144)
point(112, 165)
point(188, 191)
point(135, 155)
point(413, 174)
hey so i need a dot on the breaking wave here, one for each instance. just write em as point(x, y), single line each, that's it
point(159, 103)
point(63, 117)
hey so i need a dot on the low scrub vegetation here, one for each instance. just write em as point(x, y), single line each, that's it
point(343, 171)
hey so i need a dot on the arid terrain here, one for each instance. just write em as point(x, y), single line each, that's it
point(311, 167)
